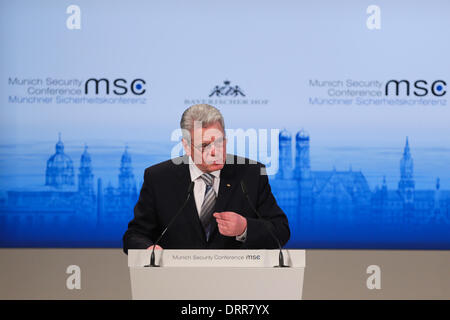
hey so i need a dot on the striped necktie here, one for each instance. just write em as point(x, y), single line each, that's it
point(208, 204)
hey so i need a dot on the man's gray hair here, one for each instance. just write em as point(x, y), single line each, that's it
point(204, 113)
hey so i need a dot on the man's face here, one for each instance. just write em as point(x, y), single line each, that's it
point(207, 147)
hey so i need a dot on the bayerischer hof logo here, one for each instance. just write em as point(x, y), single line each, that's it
point(226, 90)
point(228, 93)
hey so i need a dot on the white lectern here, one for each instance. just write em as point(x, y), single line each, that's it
point(217, 275)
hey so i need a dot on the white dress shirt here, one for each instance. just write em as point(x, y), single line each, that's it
point(200, 188)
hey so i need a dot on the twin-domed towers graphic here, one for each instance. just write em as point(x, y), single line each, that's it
point(317, 197)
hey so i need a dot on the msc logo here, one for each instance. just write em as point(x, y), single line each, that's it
point(420, 87)
point(120, 86)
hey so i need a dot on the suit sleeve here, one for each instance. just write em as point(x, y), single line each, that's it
point(143, 228)
point(258, 236)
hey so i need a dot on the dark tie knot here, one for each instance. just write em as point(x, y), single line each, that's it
point(208, 178)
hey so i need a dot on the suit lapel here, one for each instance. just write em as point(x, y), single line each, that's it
point(190, 211)
point(226, 187)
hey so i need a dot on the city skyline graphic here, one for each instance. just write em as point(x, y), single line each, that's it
point(325, 208)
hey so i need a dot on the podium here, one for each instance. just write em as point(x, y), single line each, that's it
point(216, 275)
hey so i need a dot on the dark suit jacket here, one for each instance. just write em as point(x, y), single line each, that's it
point(165, 189)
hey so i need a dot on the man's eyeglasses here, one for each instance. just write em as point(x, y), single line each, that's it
point(218, 143)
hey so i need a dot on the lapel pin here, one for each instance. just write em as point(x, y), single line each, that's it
point(228, 185)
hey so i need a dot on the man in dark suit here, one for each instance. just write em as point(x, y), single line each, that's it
point(217, 215)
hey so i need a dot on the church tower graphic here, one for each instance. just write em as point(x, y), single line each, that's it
point(59, 172)
point(126, 178)
point(285, 154)
point(406, 184)
point(85, 177)
point(302, 173)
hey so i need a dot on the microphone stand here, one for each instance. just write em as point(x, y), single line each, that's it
point(280, 256)
point(152, 256)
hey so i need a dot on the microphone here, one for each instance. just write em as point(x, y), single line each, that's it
point(280, 256)
point(152, 256)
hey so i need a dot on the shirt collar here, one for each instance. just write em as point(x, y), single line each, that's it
point(196, 172)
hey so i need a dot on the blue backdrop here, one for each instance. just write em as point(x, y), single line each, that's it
point(351, 96)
